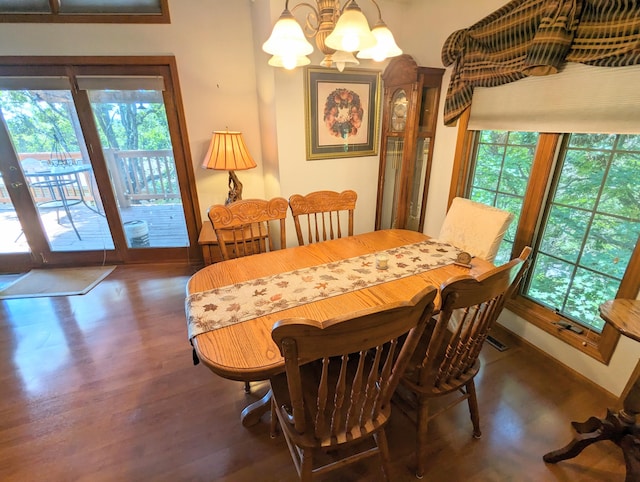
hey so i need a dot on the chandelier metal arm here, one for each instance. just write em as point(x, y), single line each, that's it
point(323, 13)
point(378, 7)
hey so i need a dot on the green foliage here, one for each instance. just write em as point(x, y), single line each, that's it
point(132, 126)
point(591, 227)
point(36, 118)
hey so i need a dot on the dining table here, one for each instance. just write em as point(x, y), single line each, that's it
point(232, 305)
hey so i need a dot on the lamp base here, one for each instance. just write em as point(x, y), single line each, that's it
point(235, 188)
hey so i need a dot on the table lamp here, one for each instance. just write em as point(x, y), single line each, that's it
point(228, 152)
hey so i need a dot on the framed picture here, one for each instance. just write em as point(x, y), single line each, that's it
point(341, 111)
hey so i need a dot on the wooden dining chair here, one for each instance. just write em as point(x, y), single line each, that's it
point(475, 227)
point(323, 215)
point(243, 227)
point(340, 375)
point(447, 360)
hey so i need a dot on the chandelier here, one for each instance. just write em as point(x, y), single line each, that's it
point(339, 33)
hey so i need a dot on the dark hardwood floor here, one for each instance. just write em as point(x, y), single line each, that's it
point(102, 387)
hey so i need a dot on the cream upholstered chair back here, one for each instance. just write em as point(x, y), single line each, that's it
point(475, 227)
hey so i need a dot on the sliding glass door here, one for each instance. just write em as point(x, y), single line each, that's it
point(90, 168)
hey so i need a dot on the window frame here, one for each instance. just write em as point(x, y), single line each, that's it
point(596, 345)
point(56, 17)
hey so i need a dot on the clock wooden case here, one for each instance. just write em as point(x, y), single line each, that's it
point(410, 110)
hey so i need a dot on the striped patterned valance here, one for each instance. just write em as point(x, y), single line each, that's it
point(536, 37)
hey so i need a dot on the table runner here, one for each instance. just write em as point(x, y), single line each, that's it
point(227, 305)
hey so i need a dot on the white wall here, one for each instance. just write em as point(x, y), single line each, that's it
point(225, 82)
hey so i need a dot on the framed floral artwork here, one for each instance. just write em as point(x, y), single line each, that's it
point(341, 111)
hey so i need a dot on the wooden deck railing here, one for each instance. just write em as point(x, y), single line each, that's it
point(136, 175)
point(142, 175)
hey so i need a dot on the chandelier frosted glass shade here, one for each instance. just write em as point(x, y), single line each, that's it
point(340, 59)
point(385, 46)
point(352, 32)
point(287, 38)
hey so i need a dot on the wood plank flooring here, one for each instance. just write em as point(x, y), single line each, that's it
point(102, 387)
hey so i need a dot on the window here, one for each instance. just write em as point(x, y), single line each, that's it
point(84, 11)
point(501, 178)
point(576, 198)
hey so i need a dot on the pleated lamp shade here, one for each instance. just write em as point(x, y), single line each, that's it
point(228, 152)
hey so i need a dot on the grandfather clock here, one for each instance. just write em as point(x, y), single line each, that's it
point(410, 110)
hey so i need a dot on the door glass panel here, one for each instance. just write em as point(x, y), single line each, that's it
point(11, 237)
point(427, 118)
point(417, 183)
point(391, 188)
point(46, 135)
point(137, 148)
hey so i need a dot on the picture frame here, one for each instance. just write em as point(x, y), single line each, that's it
point(342, 112)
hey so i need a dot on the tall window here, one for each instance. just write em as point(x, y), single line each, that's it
point(579, 207)
point(501, 175)
point(85, 11)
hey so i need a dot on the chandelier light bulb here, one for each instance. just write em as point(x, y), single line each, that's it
point(350, 42)
point(289, 62)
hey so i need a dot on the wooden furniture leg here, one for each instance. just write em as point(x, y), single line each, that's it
point(619, 427)
point(589, 432)
point(630, 445)
point(252, 413)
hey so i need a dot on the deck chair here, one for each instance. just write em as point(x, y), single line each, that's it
point(340, 375)
point(323, 215)
point(447, 361)
point(475, 227)
point(243, 229)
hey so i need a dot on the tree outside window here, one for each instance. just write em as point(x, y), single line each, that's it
point(585, 226)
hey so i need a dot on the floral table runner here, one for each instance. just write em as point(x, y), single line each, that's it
point(227, 305)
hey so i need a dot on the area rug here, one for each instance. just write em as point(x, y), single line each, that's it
point(56, 282)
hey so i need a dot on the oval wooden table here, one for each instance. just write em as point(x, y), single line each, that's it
point(246, 352)
point(619, 427)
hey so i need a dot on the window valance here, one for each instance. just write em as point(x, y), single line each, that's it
point(536, 37)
